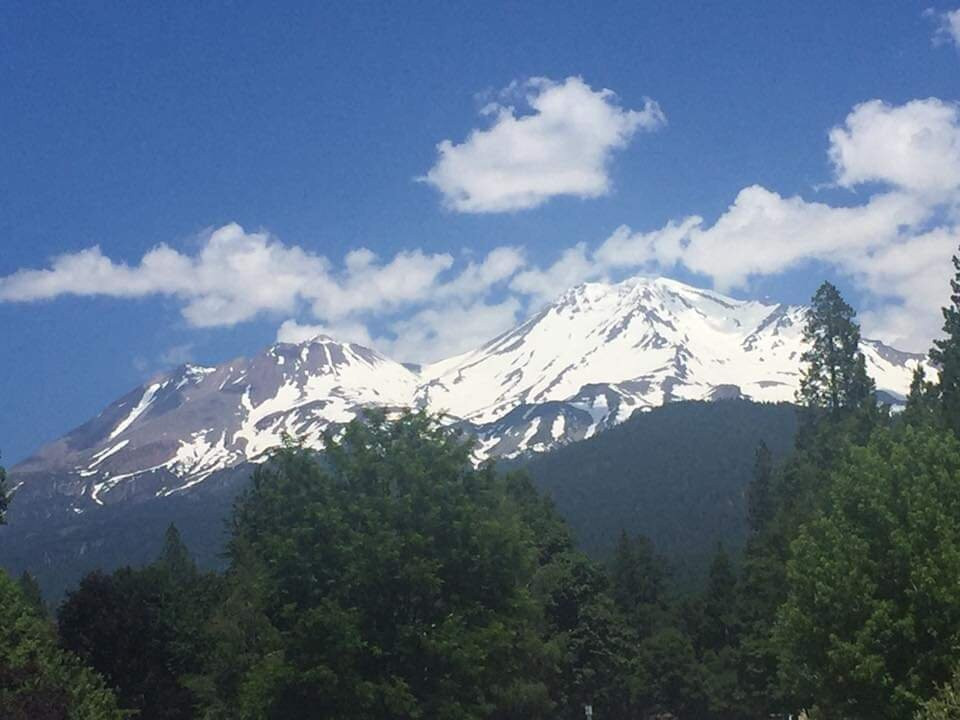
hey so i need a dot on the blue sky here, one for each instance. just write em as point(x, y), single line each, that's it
point(295, 151)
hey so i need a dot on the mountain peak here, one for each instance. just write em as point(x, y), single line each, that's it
point(599, 353)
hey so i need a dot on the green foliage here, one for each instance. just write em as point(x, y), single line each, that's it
point(393, 579)
point(638, 578)
point(760, 502)
point(32, 594)
point(677, 474)
point(144, 630)
point(946, 354)
point(835, 376)
point(945, 705)
point(923, 405)
point(872, 613)
point(38, 681)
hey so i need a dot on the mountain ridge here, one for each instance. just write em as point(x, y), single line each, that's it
point(583, 363)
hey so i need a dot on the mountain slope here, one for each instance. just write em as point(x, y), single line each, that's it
point(583, 364)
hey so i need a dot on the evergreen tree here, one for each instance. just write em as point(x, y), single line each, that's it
point(145, 630)
point(719, 605)
point(38, 681)
point(922, 402)
point(174, 557)
point(760, 505)
point(835, 376)
point(32, 594)
point(946, 354)
point(639, 580)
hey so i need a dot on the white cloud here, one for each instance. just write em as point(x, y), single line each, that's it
point(894, 243)
point(447, 330)
point(290, 331)
point(949, 28)
point(915, 146)
point(562, 147)
point(237, 276)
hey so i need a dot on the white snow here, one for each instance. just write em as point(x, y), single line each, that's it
point(137, 411)
point(606, 349)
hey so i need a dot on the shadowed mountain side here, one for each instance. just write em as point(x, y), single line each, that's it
point(677, 474)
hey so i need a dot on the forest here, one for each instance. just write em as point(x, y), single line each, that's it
point(390, 577)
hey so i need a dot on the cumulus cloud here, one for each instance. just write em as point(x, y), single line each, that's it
point(895, 244)
point(562, 147)
point(915, 146)
point(237, 275)
point(893, 239)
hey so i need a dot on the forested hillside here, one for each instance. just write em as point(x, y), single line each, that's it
point(677, 474)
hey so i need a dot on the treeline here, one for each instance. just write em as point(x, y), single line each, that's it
point(391, 578)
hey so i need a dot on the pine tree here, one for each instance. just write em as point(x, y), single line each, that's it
point(836, 376)
point(175, 558)
point(719, 603)
point(638, 578)
point(32, 594)
point(759, 492)
point(946, 354)
point(922, 403)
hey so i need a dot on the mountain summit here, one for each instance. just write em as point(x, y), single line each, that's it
point(584, 363)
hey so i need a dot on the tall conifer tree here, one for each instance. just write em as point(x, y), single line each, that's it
point(946, 354)
point(835, 377)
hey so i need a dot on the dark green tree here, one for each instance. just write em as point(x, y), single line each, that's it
point(394, 581)
point(872, 613)
point(669, 680)
point(639, 578)
point(174, 557)
point(720, 605)
point(32, 594)
point(835, 376)
point(945, 704)
point(760, 504)
point(145, 630)
point(946, 354)
point(922, 402)
point(38, 681)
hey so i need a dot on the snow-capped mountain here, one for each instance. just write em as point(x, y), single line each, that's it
point(587, 361)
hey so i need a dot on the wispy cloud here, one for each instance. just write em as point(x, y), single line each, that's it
point(948, 27)
point(562, 146)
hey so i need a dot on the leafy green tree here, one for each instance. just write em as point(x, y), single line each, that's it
point(946, 354)
point(145, 630)
point(835, 376)
point(38, 681)
point(394, 580)
point(594, 643)
point(669, 679)
point(945, 705)
point(872, 613)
